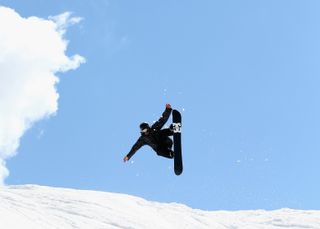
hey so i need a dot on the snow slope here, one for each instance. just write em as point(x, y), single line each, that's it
point(38, 207)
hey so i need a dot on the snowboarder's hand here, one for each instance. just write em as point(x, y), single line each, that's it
point(125, 159)
point(168, 106)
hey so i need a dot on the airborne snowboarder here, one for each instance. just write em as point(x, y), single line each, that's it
point(156, 137)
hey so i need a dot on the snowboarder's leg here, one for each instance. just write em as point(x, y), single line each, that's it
point(166, 132)
point(167, 143)
point(164, 141)
point(168, 153)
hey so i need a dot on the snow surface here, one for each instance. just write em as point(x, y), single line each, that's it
point(38, 207)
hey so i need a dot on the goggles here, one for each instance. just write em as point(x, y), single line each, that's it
point(144, 131)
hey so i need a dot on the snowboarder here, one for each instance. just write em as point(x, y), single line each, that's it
point(157, 138)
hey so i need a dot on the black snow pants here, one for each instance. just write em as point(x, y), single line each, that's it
point(165, 143)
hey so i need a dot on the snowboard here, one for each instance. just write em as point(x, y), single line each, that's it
point(176, 123)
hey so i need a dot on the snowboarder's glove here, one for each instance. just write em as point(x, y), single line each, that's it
point(168, 106)
point(125, 159)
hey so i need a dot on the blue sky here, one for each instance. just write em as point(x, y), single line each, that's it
point(245, 75)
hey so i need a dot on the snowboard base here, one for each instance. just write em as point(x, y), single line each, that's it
point(176, 121)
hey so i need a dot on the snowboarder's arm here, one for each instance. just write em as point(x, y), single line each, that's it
point(134, 149)
point(163, 119)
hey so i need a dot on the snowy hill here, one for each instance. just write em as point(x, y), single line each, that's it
point(38, 207)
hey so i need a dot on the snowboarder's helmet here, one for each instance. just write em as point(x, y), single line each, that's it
point(144, 127)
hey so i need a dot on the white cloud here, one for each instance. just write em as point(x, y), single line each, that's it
point(64, 20)
point(32, 52)
point(3, 171)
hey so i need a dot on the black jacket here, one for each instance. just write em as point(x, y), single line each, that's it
point(153, 138)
